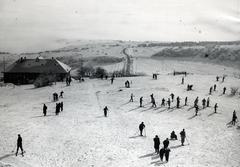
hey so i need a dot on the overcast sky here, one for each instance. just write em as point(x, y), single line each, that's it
point(28, 25)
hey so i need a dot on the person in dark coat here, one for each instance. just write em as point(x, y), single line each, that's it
point(161, 153)
point(141, 101)
point(156, 144)
point(234, 118)
point(112, 79)
point(223, 78)
point(44, 109)
point(183, 136)
point(196, 110)
point(196, 102)
point(105, 110)
point(217, 78)
point(154, 103)
point(208, 102)
point(61, 106)
point(215, 108)
point(172, 96)
point(173, 136)
point(178, 102)
point(214, 87)
point(203, 102)
point(182, 80)
point(141, 127)
point(167, 152)
point(61, 94)
point(186, 99)
point(151, 97)
point(169, 103)
point(165, 143)
point(224, 90)
point(19, 144)
point(210, 91)
point(57, 108)
point(163, 102)
point(131, 97)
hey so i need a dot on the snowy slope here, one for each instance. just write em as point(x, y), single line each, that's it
point(81, 136)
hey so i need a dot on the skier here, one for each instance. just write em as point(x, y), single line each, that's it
point(208, 102)
point(153, 103)
point(182, 80)
point(196, 110)
point(186, 101)
point(169, 103)
point(131, 97)
point(141, 100)
point(151, 97)
point(61, 106)
point(210, 90)
point(161, 153)
point(61, 94)
point(215, 108)
point(167, 151)
point(163, 102)
point(105, 111)
point(44, 110)
point(204, 103)
point(156, 144)
point(234, 118)
point(165, 143)
point(183, 136)
point(196, 101)
point(141, 127)
point(57, 108)
point(178, 102)
point(19, 144)
point(172, 96)
point(224, 90)
point(214, 87)
point(173, 136)
point(217, 78)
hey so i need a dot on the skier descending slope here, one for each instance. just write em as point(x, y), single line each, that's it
point(19, 144)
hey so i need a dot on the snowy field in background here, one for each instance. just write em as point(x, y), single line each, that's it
point(81, 136)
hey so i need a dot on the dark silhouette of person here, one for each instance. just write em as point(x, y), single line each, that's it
point(141, 100)
point(210, 91)
point(156, 141)
point(183, 136)
point(182, 80)
point(208, 102)
point(167, 152)
point(217, 78)
point(44, 110)
point(161, 153)
point(186, 99)
point(204, 103)
point(234, 118)
point(131, 97)
point(224, 90)
point(153, 103)
point(165, 143)
point(61, 106)
point(169, 103)
point(61, 94)
point(141, 127)
point(105, 110)
point(172, 96)
point(215, 108)
point(19, 144)
point(173, 136)
point(163, 102)
point(214, 87)
point(196, 110)
point(178, 102)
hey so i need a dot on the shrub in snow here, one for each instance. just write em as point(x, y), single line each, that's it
point(234, 91)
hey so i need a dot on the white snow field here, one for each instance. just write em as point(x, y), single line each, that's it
point(80, 136)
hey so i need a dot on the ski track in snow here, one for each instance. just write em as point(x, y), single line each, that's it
point(82, 136)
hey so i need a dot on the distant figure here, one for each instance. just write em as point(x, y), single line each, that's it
point(182, 80)
point(106, 77)
point(215, 108)
point(141, 101)
point(173, 136)
point(131, 97)
point(178, 102)
point(19, 144)
point(167, 151)
point(183, 136)
point(141, 127)
point(203, 103)
point(234, 118)
point(223, 78)
point(196, 109)
point(214, 87)
point(196, 101)
point(169, 103)
point(105, 110)
point(151, 97)
point(210, 91)
point(224, 90)
point(156, 141)
point(186, 99)
point(57, 108)
point(61, 106)
point(127, 84)
point(44, 110)
point(154, 103)
point(166, 143)
point(61, 94)
point(163, 102)
point(162, 153)
point(208, 102)
point(112, 80)
point(172, 96)
point(217, 78)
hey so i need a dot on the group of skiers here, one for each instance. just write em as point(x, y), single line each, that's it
point(59, 106)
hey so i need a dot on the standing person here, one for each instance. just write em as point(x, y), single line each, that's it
point(57, 108)
point(167, 151)
point(234, 118)
point(61, 106)
point(173, 136)
point(208, 102)
point(178, 102)
point(151, 97)
point(44, 109)
point(61, 94)
point(165, 143)
point(105, 110)
point(214, 87)
point(223, 78)
point(161, 153)
point(182, 80)
point(163, 102)
point(224, 90)
point(204, 103)
point(169, 103)
point(186, 99)
point(196, 109)
point(154, 103)
point(19, 144)
point(131, 97)
point(215, 108)
point(217, 78)
point(141, 101)
point(141, 127)
point(183, 136)
point(112, 80)
point(196, 101)
point(156, 141)
point(172, 96)
point(210, 90)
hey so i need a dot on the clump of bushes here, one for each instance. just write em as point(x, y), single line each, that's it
point(234, 91)
point(44, 80)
